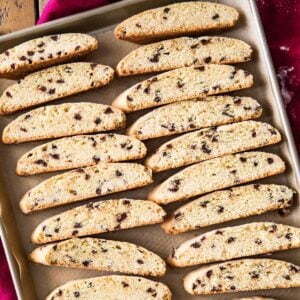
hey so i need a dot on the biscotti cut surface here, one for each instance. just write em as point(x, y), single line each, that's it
point(80, 151)
point(242, 275)
point(98, 217)
point(114, 287)
point(194, 114)
point(183, 84)
point(44, 52)
point(175, 20)
point(84, 183)
point(183, 52)
point(50, 122)
point(234, 242)
point(99, 254)
point(217, 173)
point(212, 142)
point(226, 205)
point(54, 83)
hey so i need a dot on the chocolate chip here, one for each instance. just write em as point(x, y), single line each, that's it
point(253, 134)
point(30, 53)
point(178, 216)
point(147, 90)
point(55, 156)
point(270, 160)
point(86, 262)
point(204, 203)
point(155, 58)
point(200, 68)
point(166, 10)
point(58, 53)
point(138, 25)
point(22, 58)
point(230, 240)
point(41, 162)
point(207, 60)
point(126, 202)
point(237, 101)
point(6, 53)
point(77, 48)
point(180, 84)
point(54, 37)
point(254, 275)
point(258, 241)
point(194, 46)
point(220, 232)
point(255, 164)
point(98, 191)
point(108, 110)
point(13, 66)
point(42, 88)
point(243, 159)
point(76, 294)
point(140, 261)
point(124, 284)
point(193, 147)
point(8, 94)
point(215, 16)
point(74, 232)
point(60, 81)
point(97, 121)
point(129, 99)
point(233, 73)
point(118, 173)
point(273, 228)
point(77, 225)
point(209, 273)
point(50, 55)
point(175, 185)
point(77, 116)
point(204, 41)
point(205, 148)
point(220, 209)
point(288, 236)
point(287, 277)
point(196, 245)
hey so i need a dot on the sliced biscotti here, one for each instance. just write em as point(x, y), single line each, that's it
point(255, 298)
point(183, 84)
point(242, 275)
point(113, 287)
point(85, 183)
point(183, 52)
point(63, 120)
point(99, 254)
point(98, 217)
point(217, 173)
point(44, 52)
point(175, 20)
point(80, 151)
point(226, 205)
point(234, 242)
point(54, 83)
point(194, 114)
point(212, 142)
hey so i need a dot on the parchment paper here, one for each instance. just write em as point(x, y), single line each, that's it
point(110, 51)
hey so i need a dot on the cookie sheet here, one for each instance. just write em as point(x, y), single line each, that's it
point(36, 281)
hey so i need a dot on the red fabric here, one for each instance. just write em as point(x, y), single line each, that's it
point(281, 20)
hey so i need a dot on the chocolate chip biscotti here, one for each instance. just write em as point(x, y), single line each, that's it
point(183, 52)
point(234, 242)
point(217, 173)
point(194, 114)
point(212, 142)
point(255, 298)
point(113, 287)
point(226, 205)
point(183, 84)
point(99, 254)
point(242, 275)
point(63, 120)
point(44, 52)
point(175, 20)
point(54, 83)
point(80, 151)
point(85, 183)
point(98, 217)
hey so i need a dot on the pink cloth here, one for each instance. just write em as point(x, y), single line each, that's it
point(281, 20)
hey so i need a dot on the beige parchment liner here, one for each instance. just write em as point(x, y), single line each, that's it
point(19, 226)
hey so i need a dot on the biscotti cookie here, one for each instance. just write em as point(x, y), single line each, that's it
point(98, 217)
point(44, 52)
point(226, 205)
point(242, 275)
point(63, 120)
point(212, 142)
point(234, 242)
point(99, 254)
point(85, 183)
point(183, 52)
point(183, 84)
point(54, 83)
point(80, 151)
point(113, 287)
point(254, 298)
point(175, 20)
point(194, 114)
point(217, 173)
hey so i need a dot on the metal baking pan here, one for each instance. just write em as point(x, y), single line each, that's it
point(36, 281)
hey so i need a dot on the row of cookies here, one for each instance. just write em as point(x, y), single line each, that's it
point(178, 85)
